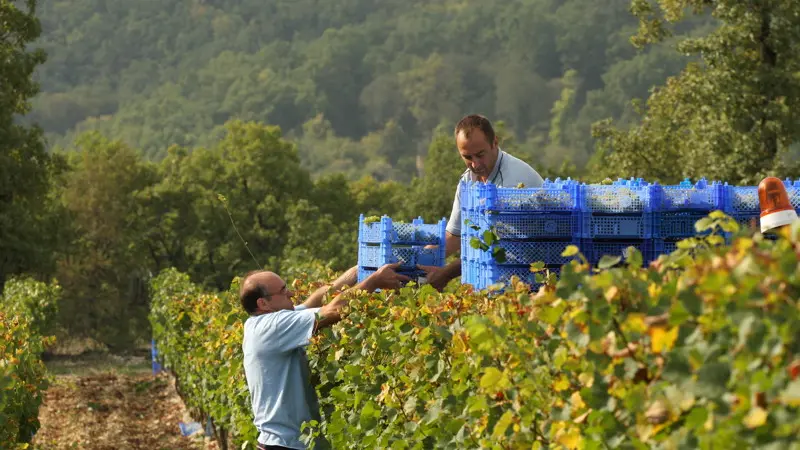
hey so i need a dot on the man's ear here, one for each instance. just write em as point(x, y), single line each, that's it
point(263, 304)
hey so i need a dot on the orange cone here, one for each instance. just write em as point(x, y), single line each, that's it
point(776, 210)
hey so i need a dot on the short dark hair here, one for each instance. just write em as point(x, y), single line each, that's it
point(249, 293)
point(475, 121)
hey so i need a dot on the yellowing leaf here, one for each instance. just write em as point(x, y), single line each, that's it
point(571, 439)
point(502, 425)
point(791, 396)
point(755, 418)
point(571, 250)
point(459, 344)
point(661, 339)
point(561, 384)
point(709, 425)
point(491, 378)
point(586, 379)
point(577, 401)
point(611, 293)
point(653, 290)
point(635, 322)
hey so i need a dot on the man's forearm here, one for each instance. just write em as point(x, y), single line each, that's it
point(452, 244)
point(348, 278)
point(331, 312)
point(452, 270)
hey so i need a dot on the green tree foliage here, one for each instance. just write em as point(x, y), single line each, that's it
point(434, 192)
point(214, 213)
point(250, 179)
point(359, 87)
point(24, 165)
point(103, 272)
point(698, 350)
point(730, 115)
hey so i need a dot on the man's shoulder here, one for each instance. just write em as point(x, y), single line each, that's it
point(270, 321)
point(516, 163)
point(520, 171)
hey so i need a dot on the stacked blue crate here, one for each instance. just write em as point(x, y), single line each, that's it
point(615, 217)
point(741, 202)
point(154, 355)
point(530, 225)
point(386, 242)
point(679, 207)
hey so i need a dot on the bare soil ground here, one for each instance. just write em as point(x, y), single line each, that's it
point(101, 402)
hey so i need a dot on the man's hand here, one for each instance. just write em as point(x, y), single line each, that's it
point(387, 278)
point(438, 277)
point(434, 276)
point(383, 278)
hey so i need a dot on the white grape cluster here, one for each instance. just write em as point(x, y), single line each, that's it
point(615, 199)
point(539, 200)
point(745, 198)
point(687, 197)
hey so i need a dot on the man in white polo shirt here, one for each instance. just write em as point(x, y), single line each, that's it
point(486, 162)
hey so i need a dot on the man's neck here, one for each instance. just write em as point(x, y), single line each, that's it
point(494, 168)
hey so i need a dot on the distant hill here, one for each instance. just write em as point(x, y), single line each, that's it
point(359, 84)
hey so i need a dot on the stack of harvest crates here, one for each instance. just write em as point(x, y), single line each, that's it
point(505, 230)
point(385, 241)
point(617, 216)
point(679, 207)
point(526, 224)
point(741, 202)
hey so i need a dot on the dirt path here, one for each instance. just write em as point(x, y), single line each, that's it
point(114, 408)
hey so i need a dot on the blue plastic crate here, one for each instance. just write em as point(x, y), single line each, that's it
point(743, 200)
point(523, 225)
point(388, 231)
point(617, 226)
point(377, 255)
point(154, 356)
point(748, 220)
point(663, 247)
point(522, 252)
point(415, 274)
point(483, 275)
point(672, 225)
point(594, 250)
point(621, 197)
point(552, 196)
point(793, 191)
point(689, 197)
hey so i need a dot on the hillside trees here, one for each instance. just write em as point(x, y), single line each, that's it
point(732, 114)
point(105, 269)
point(25, 167)
point(362, 70)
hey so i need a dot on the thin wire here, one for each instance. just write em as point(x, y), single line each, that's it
point(224, 202)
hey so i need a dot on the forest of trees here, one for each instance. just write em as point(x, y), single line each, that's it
point(358, 84)
point(136, 136)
